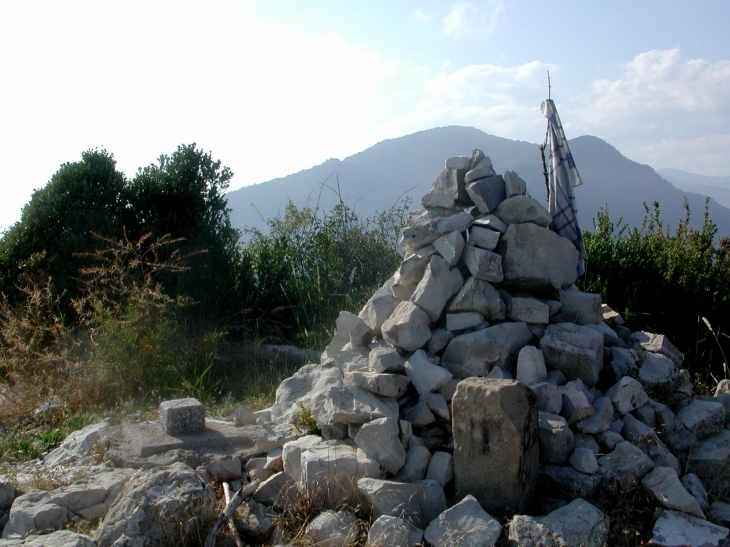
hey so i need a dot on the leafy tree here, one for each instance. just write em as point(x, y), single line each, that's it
point(56, 224)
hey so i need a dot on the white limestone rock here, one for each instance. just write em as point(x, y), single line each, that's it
point(628, 464)
point(393, 532)
point(514, 185)
point(703, 418)
point(578, 524)
point(417, 503)
point(657, 343)
point(491, 222)
point(484, 238)
point(530, 366)
point(483, 264)
point(526, 308)
point(626, 395)
point(385, 359)
point(450, 247)
point(557, 441)
point(576, 406)
point(487, 192)
point(385, 385)
point(379, 308)
point(407, 327)
point(416, 465)
point(479, 296)
point(653, 369)
point(425, 376)
point(333, 529)
point(379, 439)
point(353, 404)
point(465, 524)
point(520, 209)
point(439, 283)
point(441, 468)
point(574, 350)
point(585, 308)
point(549, 398)
point(600, 421)
point(664, 485)
point(675, 529)
point(345, 322)
point(306, 386)
point(464, 320)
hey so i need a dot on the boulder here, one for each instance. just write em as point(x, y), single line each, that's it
point(464, 320)
point(333, 529)
point(385, 385)
point(465, 524)
point(479, 351)
point(182, 416)
point(425, 376)
point(163, 506)
point(646, 439)
point(407, 327)
point(526, 308)
point(557, 441)
point(530, 366)
point(514, 185)
point(710, 457)
point(60, 538)
point(626, 395)
point(492, 222)
point(584, 460)
point(385, 358)
point(439, 283)
point(440, 338)
point(693, 484)
point(585, 308)
point(600, 421)
point(379, 439)
point(535, 258)
point(703, 418)
point(345, 322)
point(520, 209)
point(438, 406)
point(484, 238)
point(487, 192)
point(495, 425)
point(291, 454)
point(664, 485)
point(574, 350)
point(652, 369)
point(410, 272)
point(255, 521)
point(304, 388)
point(568, 482)
point(450, 247)
point(379, 308)
point(577, 524)
point(719, 513)
point(78, 444)
point(278, 490)
point(675, 529)
point(425, 226)
point(628, 464)
point(416, 503)
point(478, 296)
point(549, 398)
point(483, 264)
point(451, 183)
point(419, 414)
point(272, 436)
point(393, 532)
point(657, 343)
point(416, 464)
point(576, 406)
point(354, 405)
point(441, 468)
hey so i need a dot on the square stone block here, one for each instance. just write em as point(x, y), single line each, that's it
point(182, 416)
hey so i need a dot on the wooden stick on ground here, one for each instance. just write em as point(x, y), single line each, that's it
point(231, 522)
point(245, 492)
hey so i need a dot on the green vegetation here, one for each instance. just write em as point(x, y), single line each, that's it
point(665, 283)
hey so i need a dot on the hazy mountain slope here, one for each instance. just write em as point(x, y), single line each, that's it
point(718, 188)
point(375, 178)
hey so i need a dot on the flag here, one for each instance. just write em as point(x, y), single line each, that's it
point(562, 178)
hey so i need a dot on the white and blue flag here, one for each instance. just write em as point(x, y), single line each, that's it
point(562, 178)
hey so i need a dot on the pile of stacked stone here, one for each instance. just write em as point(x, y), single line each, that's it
point(473, 375)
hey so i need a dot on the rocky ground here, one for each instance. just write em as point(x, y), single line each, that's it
point(478, 399)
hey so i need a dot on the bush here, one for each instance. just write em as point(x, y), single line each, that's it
point(665, 283)
point(314, 264)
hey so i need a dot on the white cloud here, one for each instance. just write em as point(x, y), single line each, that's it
point(467, 19)
point(423, 19)
point(659, 102)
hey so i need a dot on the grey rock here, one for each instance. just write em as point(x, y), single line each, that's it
point(255, 521)
point(410, 272)
point(379, 439)
point(514, 185)
point(419, 414)
point(278, 490)
point(576, 406)
point(703, 418)
point(577, 524)
point(584, 460)
point(549, 398)
point(441, 468)
point(709, 458)
point(664, 485)
point(719, 513)
point(675, 529)
point(307, 386)
point(439, 283)
point(416, 503)
point(556, 439)
point(478, 296)
point(556, 377)
point(600, 421)
point(628, 464)
point(626, 395)
point(495, 426)
point(386, 385)
point(272, 436)
point(653, 369)
point(487, 192)
point(379, 308)
point(407, 328)
point(450, 247)
point(333, 529)
point(521, 209)
point(425, 376)
point(438, 406)
point(440, 338)
point(345, 322)
point(648, 442)
point(393, 532)
point(574, 350)
point(568, 481)
point(610, 338)
point(385, 358)
point(78, 444)
point(60, 538)
point(693, 484)
point(525, 308)
point(530, 366)
point(353, 404)
point(182, 416)
point(608, 440)
point(498, 373)
point(586, 307)
point(585, 440)
point(465, 524)
point(483, 238)
point(291, 454)
point(477, 352)
point(657, 343)
point(225, 469)
point(491, 222)
point(464, 320)
point(534, 257)
point(451, 183)
point(416, 464)
point(646, 414)
point(483, 264)
point(425, 226)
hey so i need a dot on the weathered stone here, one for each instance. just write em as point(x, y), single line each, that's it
point(162, 506)
point(498, 373)
point(495, 425)
point(530, 366)
point(450, 247)
point(576, 406)
point(385, 358)
point(703, 418)
point(345, 322)
point(486, 193)
point(425, 226)
point(333, 529)
point(182, 416)
point(600, 421)
point(225, 469)
point(353, 404)
point(585, 307)
point(386, 385)
point(78, 444)
point(447, 392)
point(574, 350)
point(724, 400)
point(425, 376)
point(525, 308)
point(709, 458)
point(491, 222)
point(464, 320)
point(410, 272)
point(291, 454)
point(273, 435)
point(520, 209)
point(484, 238)
point(438, 406)
point(416, 464)
point(393, 532)
point(693, 484)
point(578, 524)
point(353, 358)
point(646, 439)
point(244, 415)
point(514, 185)
point(465, 524)
point(436, 198)
point(458, 162)
point(440, 338)
point(534, 257)
point(567, 481)
point(556, 377)
point(439, 283)
point(584, 460)
point(557, 441)
point(479, 170)
point(608, 440)
point(723, 386)
point(59, 538)
point(379, 440)
point(549, 398)
point(483, 264)
point(675, 529)
point(610, 338)
point(586, 440)
point(628, 464)
point(664, 485)
point(361, 334)
point(657, 343)
point(451, 183)
point(719, 513)
point(416, 503)
point(652, 369)
point(306, 387)
point(419, 414)
point(626, 395)
point(407, 328)
point(479, 351)
point(441, 468)
point(379, 308)
point(478, 296)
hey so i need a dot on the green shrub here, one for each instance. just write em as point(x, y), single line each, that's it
point(665, 283)
point(314, 264)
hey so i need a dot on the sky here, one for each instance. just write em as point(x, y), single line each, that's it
point(271, 87)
